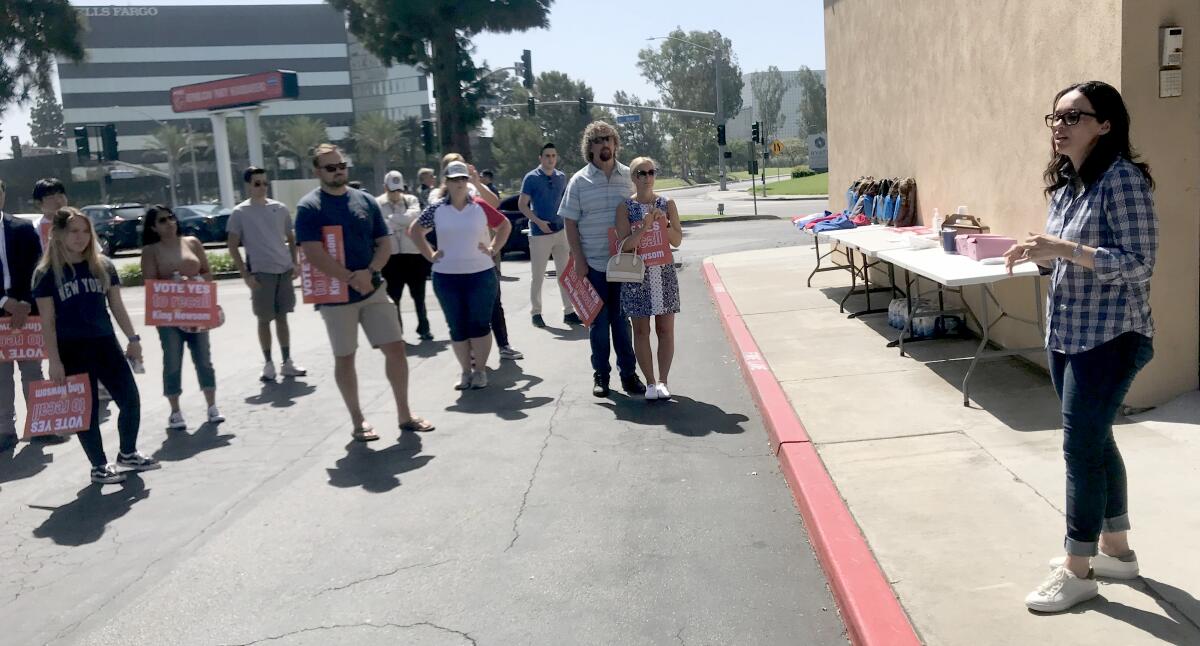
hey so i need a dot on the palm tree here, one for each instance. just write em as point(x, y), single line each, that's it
point(298, 136)
point(174, 143)
point(377, 139)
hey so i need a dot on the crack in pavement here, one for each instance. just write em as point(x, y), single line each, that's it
point(537, 465)
point(382, 575)
point(418, 624)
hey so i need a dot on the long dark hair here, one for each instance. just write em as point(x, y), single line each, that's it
point(1109, 106)
point(149, 235)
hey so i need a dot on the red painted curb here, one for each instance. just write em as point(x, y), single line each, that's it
point(869, 607)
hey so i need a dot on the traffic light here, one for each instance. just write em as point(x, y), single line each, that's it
point(16, 147)
point(427, 136)
point(532, 107)
point(108, 139)
point(720, 135)
point(82, 147)
point(527, 69)
point(754, 133)
point(583, 108)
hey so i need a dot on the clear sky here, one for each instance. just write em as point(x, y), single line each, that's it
point(601, 45)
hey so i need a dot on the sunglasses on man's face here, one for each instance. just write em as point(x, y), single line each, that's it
point(602, 139)
point(647, 172)
point(333, 168)
point(262, 184)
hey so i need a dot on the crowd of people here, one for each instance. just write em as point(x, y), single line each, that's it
point(450, 232)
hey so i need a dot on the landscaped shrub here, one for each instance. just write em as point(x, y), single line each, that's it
point(802, 171)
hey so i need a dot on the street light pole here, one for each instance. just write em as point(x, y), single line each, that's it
point(717, 87)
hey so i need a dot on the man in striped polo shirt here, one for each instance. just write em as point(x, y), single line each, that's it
point(589, 210)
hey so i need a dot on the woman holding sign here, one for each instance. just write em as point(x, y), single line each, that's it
point(649, 223)
point(72, 285)
point(168, 256)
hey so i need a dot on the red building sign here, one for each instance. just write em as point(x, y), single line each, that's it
point(236, 91)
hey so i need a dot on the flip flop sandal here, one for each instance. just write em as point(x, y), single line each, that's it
point(365, 433)
point(417, 425)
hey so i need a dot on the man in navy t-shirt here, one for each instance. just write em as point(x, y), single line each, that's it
point(366, 248)
point(541, 193)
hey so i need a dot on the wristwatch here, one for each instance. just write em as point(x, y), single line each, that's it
point(1077, 251)
point(135, 338)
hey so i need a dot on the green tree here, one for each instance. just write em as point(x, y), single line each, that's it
point(812, 102)
point(561, 124)
point(174, 144)
point(516, 144)
point(31, 35)
point(683, 75)
point(647, 137)
point(298, 136)
point(768, 89)
point(377, 139)
point(435, 36)
point(46, 122)
point(795, 151)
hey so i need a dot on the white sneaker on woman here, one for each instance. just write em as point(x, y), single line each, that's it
point(1108, 567)
point(663, 393)
point(175, 422)
point(651, 393)
point(1062, 590)
point(214, 415)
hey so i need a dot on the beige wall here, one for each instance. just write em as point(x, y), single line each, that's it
point(953, 93)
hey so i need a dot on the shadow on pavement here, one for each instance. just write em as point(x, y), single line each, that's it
point(378, 471)
point(84, 519)
point(281, 394)
point(425, 349)
point(682, 415)
point(502, 398)
point(31, 460)
point(573, 333)
point(181, 445)
point(1176, 628)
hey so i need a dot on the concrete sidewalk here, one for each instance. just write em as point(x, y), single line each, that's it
point(963, 506)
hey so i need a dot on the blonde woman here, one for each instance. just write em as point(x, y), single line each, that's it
point(75, 288)
point(657, 296)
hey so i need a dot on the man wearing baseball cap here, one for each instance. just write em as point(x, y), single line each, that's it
point(406, 267)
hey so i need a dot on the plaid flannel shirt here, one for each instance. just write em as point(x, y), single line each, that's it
point(1115, 215)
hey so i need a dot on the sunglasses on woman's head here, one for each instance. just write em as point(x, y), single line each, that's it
point(333, 168)
point(647, 172)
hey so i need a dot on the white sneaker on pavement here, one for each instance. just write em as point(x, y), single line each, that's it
point(1062, 590)
point(509, 352)
point(663, 393)
point(479, 379)
point(214, 415)
point(651, 393)
point(268, 372)
point(290, 369)
point(1108, 567)
point(175, 422)
point(464, 382)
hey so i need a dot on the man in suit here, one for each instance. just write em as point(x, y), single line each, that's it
point(20, 250)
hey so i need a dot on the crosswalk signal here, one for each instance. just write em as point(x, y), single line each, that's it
point(720, 135)
point(108, 140)
point(427, 136)
point(754, 133)
point(583, 107)
point(527, 69)
point(82, 147)
point(532, 107)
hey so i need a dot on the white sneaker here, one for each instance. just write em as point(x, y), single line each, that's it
point(651, 393)
point(464, 382)
point(479, 379)
point(511, 353)
point(1108, 567)
point(214, 415)
point(175, 422)
point(290, 369)
point(663, 393)
point(268, 372)
point(1062, 590)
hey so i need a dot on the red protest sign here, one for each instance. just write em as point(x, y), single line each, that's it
point(184, 303)
point(316, 287)
point(59, 408)
point(654, 248)
point(580, 292)
point(21, 344)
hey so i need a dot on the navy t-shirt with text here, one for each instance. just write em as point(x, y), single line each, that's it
point(80, 301)
point(356, 212)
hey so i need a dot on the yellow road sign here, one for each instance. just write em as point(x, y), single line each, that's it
point(776, 147)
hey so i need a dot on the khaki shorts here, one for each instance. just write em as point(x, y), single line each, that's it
point(275, 295)
point(376, 315)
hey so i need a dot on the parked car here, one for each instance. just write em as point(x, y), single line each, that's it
point(204, 221)
point(118, 226)
point(518, 240)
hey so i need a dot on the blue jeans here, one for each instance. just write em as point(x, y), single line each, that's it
point(173, 339)
point(610, 319)
point(467, 302)
point(1091, 386)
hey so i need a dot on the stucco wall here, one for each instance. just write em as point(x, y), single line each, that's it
point(953, 93)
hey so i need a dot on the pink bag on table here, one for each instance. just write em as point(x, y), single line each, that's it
point(978, 246)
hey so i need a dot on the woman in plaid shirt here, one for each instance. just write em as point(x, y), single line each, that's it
point(1099, 247)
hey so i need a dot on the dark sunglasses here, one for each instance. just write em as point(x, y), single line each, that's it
point(165, 218)
point(602, 139)
point(647, 173)
point(333, 168)
point(260, 184)
point(1069, 117)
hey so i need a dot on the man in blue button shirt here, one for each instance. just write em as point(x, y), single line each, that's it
point(541, 193)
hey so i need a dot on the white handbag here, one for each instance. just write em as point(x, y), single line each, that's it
point(625, 267)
